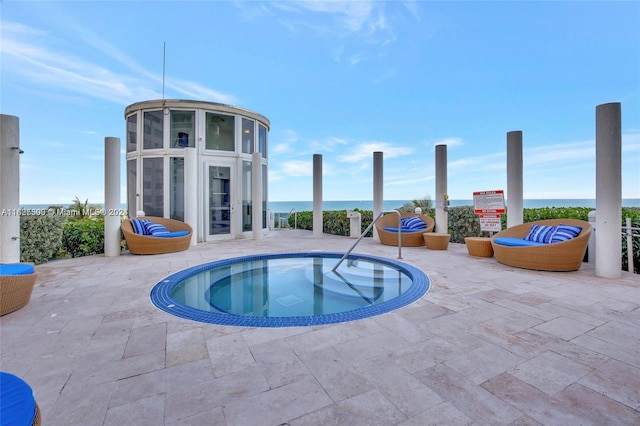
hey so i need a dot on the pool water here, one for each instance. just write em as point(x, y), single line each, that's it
point(290, 289)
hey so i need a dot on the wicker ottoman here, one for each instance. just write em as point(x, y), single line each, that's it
point(436, 241)
point(479, 246)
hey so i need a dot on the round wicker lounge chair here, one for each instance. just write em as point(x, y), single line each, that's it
point(409, 239)
point(15, 290)
point(147, 244)
point(562, 256)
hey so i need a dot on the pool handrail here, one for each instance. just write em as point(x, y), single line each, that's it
point(373, 222)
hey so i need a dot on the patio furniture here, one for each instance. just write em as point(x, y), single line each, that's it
point(479, 246)
point(17, 404)
point(436, 241)
point(16, 285)
point(178, 238)
point(409, 238)
point(553, 256)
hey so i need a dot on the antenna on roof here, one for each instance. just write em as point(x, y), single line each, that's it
point(164, 49)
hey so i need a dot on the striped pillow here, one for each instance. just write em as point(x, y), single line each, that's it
point(155, 229)
point(541, 234)
point(565, 233)
point(139, 226)
point(413, 222)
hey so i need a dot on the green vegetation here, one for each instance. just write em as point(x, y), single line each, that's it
point(58, 233)
point(463, 222)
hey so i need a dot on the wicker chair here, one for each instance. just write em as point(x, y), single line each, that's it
point(409, 239)
point(562, 256)
point(15, 291)
point(147, 244)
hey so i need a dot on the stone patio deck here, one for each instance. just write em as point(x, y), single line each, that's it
point(488, 344)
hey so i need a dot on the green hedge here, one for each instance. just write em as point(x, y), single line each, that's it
point(463, 222)
point(40, 237)
point(84, 237)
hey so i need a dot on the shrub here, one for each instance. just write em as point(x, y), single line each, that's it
point(84, 237)
point(40, 237)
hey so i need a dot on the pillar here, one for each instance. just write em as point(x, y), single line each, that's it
point(191, 192)
point(515, 213)
point(608, 190)
point(317, 196)
point(9, 188)
point(378, 192)
point(112, 205)
point(442, 199)
point(256, 196)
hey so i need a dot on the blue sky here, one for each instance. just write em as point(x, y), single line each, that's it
point(342, 79)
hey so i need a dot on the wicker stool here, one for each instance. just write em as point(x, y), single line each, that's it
point(436, 241)
point(479, 246)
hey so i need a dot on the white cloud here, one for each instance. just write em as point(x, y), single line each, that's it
point(297, 168)
point(30, 56)
point(365, 151)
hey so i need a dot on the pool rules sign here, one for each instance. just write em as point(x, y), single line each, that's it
point(489, 205)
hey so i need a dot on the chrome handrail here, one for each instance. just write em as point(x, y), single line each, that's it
point(367, 230)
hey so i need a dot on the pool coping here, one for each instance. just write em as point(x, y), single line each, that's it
point(161, 298)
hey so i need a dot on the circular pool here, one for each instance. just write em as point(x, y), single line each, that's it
point(289, 289)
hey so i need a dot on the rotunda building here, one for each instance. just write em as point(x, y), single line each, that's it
point(193, 161)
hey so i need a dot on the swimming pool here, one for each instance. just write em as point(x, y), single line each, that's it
point(289, 289)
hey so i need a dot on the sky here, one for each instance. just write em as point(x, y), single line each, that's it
point(341, 79)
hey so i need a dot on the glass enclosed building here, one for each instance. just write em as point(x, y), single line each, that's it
point(224, 137)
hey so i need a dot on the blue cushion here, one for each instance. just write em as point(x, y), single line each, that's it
point(516, 242)
point(540, 233)
point(139, 227)
point(155, 229)
point(403, 229)
point(17, 404)
point(16, 269)
point(173, 234)
point(565, 233)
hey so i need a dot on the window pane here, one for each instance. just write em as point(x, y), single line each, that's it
point(246, 195)
point(153, 129)
point(132, 193)
point(247, 136)
point(264, 196)
point(262, 140)
point(183, 125)
point(220, 132)
point(132, 132)
point(176, 188)
point(152, 186)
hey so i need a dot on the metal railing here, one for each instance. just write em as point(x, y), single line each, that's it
point(281, 219)
point(628, 231)
point(373, 222)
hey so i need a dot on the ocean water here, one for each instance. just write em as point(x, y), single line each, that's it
point(287, 206)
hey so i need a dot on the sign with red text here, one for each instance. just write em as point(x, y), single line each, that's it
point(488, 202)
point(490, 223)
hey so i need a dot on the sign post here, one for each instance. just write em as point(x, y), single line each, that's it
point(489, 205)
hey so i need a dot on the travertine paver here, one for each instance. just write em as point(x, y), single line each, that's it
point(489, 344)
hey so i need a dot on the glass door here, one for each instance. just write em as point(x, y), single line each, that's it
point(219, 205)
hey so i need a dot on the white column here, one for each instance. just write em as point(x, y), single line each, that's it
point(378, 188)
point(514, 178)
point(112, 220)
point(317, 196)
point(9, 188)
point(256, 196)
point(191, 192)
point(441, 204)
point(608, 190)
